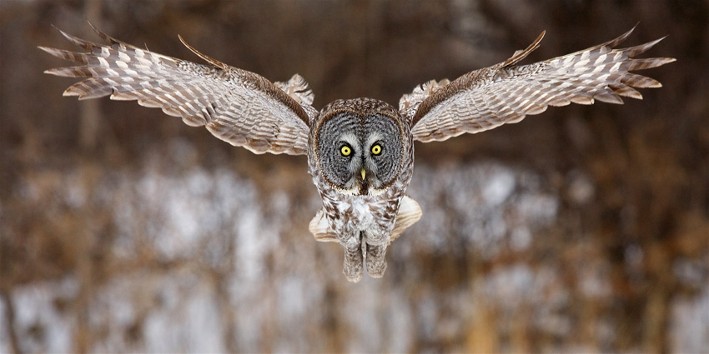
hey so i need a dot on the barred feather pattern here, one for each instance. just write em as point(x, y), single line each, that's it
point(235, 105)
point(505, 93)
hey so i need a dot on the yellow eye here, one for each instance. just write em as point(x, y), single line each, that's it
point(345, 150)
point(376, 149)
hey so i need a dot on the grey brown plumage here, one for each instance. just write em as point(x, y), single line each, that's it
point(505, 93)
point(360, 151)
point(223, 99)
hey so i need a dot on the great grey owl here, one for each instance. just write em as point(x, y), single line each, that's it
point(360, 151)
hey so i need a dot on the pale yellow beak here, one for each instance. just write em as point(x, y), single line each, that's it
point(363, 173)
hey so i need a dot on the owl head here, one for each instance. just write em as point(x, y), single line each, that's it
point(359, 145)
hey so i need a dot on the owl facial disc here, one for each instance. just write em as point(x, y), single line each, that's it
point(359, 153)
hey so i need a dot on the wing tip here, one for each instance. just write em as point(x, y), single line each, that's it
point(57, 53)
point(47, 50)
point(57, 72)
point(627, 34)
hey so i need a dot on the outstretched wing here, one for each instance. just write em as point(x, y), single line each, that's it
point(237, 106)
point(505, 93)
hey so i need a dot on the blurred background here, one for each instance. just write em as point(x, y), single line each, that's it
point(584, 229)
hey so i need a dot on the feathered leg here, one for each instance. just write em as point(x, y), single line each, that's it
point(376, 260)
point(353, 263)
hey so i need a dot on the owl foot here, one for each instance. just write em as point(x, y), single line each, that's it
point(376, 261)
point(353, 264)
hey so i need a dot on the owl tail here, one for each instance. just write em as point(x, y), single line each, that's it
point(409, 213)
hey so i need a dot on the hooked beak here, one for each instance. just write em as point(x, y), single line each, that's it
point(363, 185)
